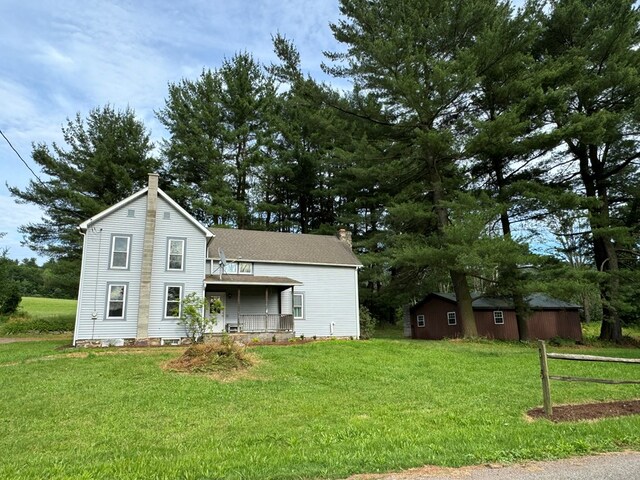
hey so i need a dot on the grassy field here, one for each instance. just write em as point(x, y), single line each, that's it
point(318, 410)
point(48, 307)
point(40, 315)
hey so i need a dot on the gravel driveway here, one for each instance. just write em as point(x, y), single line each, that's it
point(610, 466)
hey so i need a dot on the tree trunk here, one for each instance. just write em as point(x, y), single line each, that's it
point(465, 303)
point(458, 277)
point(611, 328)
point(519, 302)
point(595, 180)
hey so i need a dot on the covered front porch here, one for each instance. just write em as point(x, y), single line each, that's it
point(252, 304)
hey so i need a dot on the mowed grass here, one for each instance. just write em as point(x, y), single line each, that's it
point(48, 307)
point(318, 410)
point(40, 316)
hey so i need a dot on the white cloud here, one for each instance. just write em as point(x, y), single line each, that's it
point(61, 57)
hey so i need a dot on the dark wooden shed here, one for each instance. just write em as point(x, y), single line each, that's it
point(437, 316)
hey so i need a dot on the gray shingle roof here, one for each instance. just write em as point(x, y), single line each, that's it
point(277, 247)
point(238, 279)
point(537, 301)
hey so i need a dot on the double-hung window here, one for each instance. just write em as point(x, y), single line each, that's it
point(498, 317)
point(298, 306)
point(420, 320)
point(120, 246)
point(451, 318)
point(175, 254)
point(116, 301)
point(245, 268)
point(172, 305)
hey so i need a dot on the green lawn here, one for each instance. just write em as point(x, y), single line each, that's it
point(48, 307)
point(319, 410)
point(41, 316)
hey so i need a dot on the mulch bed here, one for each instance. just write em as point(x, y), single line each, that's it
point(589, 411)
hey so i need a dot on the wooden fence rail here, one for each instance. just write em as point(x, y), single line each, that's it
point(544, 372)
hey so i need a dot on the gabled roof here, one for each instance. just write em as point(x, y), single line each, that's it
point(113, 208)
point(278, 247)
point(536, 301)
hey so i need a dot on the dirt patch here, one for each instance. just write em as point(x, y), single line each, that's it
point(224, 359)
point(589, 411)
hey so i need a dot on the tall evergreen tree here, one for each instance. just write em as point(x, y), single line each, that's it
point(419, 58)
point(590, 51)
point(107, 157)
point(218, 131)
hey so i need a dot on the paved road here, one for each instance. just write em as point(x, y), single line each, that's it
point(611, 466)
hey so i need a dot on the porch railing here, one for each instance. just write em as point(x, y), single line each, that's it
point(271, 322)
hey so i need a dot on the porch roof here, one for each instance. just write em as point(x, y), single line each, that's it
point(237, 279)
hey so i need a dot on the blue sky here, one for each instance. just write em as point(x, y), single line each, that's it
point(60, 57)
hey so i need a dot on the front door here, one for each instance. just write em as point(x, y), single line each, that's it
point(215, 299)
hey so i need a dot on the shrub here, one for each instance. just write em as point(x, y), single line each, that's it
point(27, 324)
point(10, 298)
point(191, 316)
point(226, 356)
point(367, 323)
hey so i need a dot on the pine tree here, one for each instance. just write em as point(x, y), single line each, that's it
point(107, 158)
point(419, 59)
point(218, 131)
point(590, 52)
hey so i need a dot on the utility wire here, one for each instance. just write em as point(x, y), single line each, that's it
point(20, 157)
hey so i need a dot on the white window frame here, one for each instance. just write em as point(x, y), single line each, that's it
point(452, 318)
point(244, 264)
point(293, 305)
point(113, 251)
point(421, 321)
point(107, 315)
point(166, 301)
point(182, 254)
point(498, 315)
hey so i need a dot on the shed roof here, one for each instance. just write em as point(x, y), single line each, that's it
point(536, 301)
point(239, 279)
point(278, 247)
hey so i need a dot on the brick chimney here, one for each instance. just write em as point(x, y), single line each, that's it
point(147, 258)
point(345, 236)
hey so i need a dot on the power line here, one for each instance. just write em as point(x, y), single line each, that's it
point(20, 157)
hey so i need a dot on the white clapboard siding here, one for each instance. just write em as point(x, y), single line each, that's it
point(192, 276)
point(96, 274)
point(330, 296)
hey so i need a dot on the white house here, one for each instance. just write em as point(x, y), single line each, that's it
point(144, 254)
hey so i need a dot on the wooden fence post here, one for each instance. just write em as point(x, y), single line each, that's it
point(544, 375)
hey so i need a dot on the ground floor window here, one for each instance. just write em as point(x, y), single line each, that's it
point(451, 318)
point(172, 305)
point(498, 317)
point(116, 300)
point(421, 322)
point(298, 305)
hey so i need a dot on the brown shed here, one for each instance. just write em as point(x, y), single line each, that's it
point(437, 316)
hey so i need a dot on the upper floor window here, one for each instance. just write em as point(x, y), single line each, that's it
point(175, 254)
point(245, 268)
point(498, 317)
point(120, 245)
point(451, 318)
point(231, 268)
